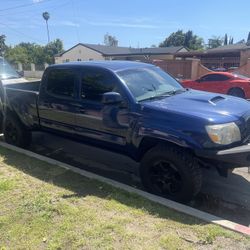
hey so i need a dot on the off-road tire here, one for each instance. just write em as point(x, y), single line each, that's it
point(15, 132)
point(184, 165)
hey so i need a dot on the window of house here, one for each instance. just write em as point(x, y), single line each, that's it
point(67, 60)
point(95, 83)
point(79, 59)
point(61, 82)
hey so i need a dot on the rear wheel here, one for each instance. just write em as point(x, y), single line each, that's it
point(171, 172)
point(237, 92)
point(15, 133)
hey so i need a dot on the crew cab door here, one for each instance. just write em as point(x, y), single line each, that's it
point(94, 83)
point(57, 100)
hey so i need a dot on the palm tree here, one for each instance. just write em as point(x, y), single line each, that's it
point(46, 17)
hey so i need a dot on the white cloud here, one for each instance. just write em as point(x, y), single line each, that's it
point(65, 23)
point(37, 1)
point(69, 23)
point(125, 25)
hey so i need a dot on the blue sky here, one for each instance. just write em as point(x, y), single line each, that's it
point(135, 23)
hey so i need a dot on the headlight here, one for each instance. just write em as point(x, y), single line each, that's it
point(224, 133)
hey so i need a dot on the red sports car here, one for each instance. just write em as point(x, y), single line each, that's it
point(222, 82)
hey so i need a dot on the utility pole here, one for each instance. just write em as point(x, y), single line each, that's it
point(46, 17)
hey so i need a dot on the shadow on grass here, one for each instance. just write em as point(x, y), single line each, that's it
point(82, 186)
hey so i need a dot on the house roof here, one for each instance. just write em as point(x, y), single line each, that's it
point(116, 51)
point(229, 48)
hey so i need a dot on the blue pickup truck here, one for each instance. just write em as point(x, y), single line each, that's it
point(138, 110)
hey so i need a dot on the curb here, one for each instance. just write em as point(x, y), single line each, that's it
point(165, 202)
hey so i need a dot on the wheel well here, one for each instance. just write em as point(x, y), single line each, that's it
point(10, 112)
point(148, 142)
point(237, 88)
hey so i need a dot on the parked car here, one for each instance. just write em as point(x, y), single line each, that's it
point(222, 82)
point(219, 69)
point(138, 110)
point(8, 75)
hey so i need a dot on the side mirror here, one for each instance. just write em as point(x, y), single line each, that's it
point(111, 98)
point(198, 80)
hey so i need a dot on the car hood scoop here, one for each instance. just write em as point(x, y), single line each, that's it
point(216, 99)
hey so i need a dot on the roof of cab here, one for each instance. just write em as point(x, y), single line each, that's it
point(111, 65)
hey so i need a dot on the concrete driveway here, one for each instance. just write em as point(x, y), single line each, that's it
point(225, 197)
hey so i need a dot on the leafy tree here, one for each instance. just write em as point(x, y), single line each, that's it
point(3, 46)
point(175, 39)
point(225, 40)
point(231, 40)
point(242, 41)
point(110, 40)
point(180, 38)
point(17, 54)
point(215, 42)
point(248, 39)
point(34, 53)
point(192, 41)
point(51, 49)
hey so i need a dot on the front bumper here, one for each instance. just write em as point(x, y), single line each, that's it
point(238, 156)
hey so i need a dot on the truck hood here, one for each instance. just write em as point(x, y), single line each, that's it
point(215, 108)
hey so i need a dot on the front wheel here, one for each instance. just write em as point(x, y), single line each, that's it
point(15, 133)
point(171, 172)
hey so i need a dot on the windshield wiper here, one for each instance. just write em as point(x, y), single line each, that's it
point(155, 97)
point(174, 92)
point(165, 94)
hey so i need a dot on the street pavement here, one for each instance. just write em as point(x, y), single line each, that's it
point(225, 197)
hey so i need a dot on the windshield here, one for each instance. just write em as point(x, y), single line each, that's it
point(6, 71)
point(146, 83)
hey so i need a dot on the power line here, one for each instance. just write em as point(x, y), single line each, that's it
point(35, 12)
point(25, 5)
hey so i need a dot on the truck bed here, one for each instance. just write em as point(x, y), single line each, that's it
point(30, 86)
point(21, 98)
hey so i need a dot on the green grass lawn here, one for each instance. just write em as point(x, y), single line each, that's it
point(43, 206)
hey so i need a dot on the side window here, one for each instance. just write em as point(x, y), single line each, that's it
point(208, 78)
point(214, 77)
point(95, 83)
point(61, 82)
point(222, 78)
